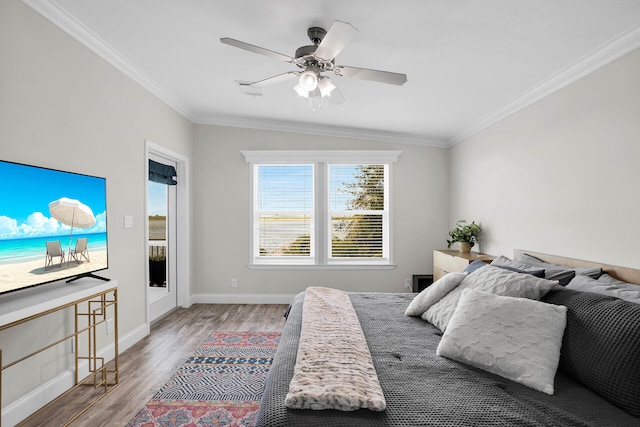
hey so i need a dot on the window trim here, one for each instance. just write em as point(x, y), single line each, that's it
point(321, 159)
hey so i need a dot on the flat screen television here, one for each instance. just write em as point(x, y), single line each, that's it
point(53, 226)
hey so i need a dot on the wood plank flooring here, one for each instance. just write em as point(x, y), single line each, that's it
point(147, 365)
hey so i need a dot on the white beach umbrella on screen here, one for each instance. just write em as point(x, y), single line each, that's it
point(73, 213)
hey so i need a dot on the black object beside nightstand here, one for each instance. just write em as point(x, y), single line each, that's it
point(421, 282)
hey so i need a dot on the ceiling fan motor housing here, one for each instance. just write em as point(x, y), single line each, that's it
point(316, 34)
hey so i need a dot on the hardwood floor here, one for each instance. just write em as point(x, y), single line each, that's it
point(147, 365)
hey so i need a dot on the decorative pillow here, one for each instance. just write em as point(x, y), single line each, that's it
point(552, 272)
point(488, 279)
point(503, 261)
point(536, 273)
point(605, 278)
point(434, 293)
point(474, 266)
point(516, 338)
point(537, 262)
point(601, 345)
point(611, 287)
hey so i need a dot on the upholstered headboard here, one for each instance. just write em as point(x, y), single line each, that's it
point(630, 275)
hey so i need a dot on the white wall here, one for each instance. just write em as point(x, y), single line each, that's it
point(221, 216)
point(61, 106)
point(562, 175)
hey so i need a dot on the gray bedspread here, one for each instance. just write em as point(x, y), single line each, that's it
point(423, 389)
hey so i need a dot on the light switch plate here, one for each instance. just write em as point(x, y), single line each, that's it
point(128, 221)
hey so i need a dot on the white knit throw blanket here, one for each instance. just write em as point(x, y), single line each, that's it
point(333, 368)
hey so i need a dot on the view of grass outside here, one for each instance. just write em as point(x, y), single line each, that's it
point(157, 227)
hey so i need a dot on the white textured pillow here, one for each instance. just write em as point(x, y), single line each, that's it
point(434, 293)
point(516, 338)
point(490, 279)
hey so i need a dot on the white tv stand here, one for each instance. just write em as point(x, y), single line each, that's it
point(93, 303)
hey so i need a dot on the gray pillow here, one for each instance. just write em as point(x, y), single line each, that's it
point(537, 262)
point(479, 264)
point(503, 261)
point(601, 345)
point(474, 266)
point(490, 279)
point(608, 286)
point(537, 273)
point(562, 275)
point(605, 278)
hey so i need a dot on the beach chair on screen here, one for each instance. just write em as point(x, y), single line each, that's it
point(81, 250)
point(54, 249)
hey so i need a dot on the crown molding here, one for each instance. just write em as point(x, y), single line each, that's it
point(52, 11)
point(598, 58)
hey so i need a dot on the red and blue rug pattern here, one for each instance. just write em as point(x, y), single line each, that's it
point(220, 385)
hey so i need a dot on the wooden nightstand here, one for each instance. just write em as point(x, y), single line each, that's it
point(445, 261)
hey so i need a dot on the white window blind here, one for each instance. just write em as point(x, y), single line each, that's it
point(284, 215)
point(358, 211)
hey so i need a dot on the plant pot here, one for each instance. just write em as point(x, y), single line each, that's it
point(464, 247)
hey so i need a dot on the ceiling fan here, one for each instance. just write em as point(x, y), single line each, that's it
point(318, 58)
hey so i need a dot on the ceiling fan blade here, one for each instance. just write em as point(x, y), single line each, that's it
point(272, 80)
point(373, 75)
point(339, 35)
point(256, 49)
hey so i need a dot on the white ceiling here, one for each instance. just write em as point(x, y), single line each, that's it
point(469, 63)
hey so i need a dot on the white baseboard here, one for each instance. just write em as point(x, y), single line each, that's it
point(17, 411)
point(242, 298)
point(133, 337)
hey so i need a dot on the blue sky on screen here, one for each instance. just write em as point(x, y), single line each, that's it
point(27, 192)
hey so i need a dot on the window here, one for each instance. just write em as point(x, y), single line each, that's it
point(326, 208)
point(283, 215)
point(358, 211)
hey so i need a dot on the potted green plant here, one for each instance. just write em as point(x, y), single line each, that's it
point(465, 234)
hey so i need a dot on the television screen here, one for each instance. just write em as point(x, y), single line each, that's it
point(53, 225)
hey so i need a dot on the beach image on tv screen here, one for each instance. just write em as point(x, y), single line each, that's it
point(53, 225)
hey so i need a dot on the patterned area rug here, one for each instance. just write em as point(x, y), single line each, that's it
point(220, 385)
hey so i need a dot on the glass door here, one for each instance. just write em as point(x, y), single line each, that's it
point(161, 199)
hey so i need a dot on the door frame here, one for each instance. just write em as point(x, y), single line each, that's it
point(183, 284)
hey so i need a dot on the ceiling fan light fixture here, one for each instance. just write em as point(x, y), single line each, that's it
point(325, 86)
point(309, 80)
point(301, 91)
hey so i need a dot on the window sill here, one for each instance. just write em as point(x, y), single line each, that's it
point(322, 266)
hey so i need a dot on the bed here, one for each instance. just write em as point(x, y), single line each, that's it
point(422, 388)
